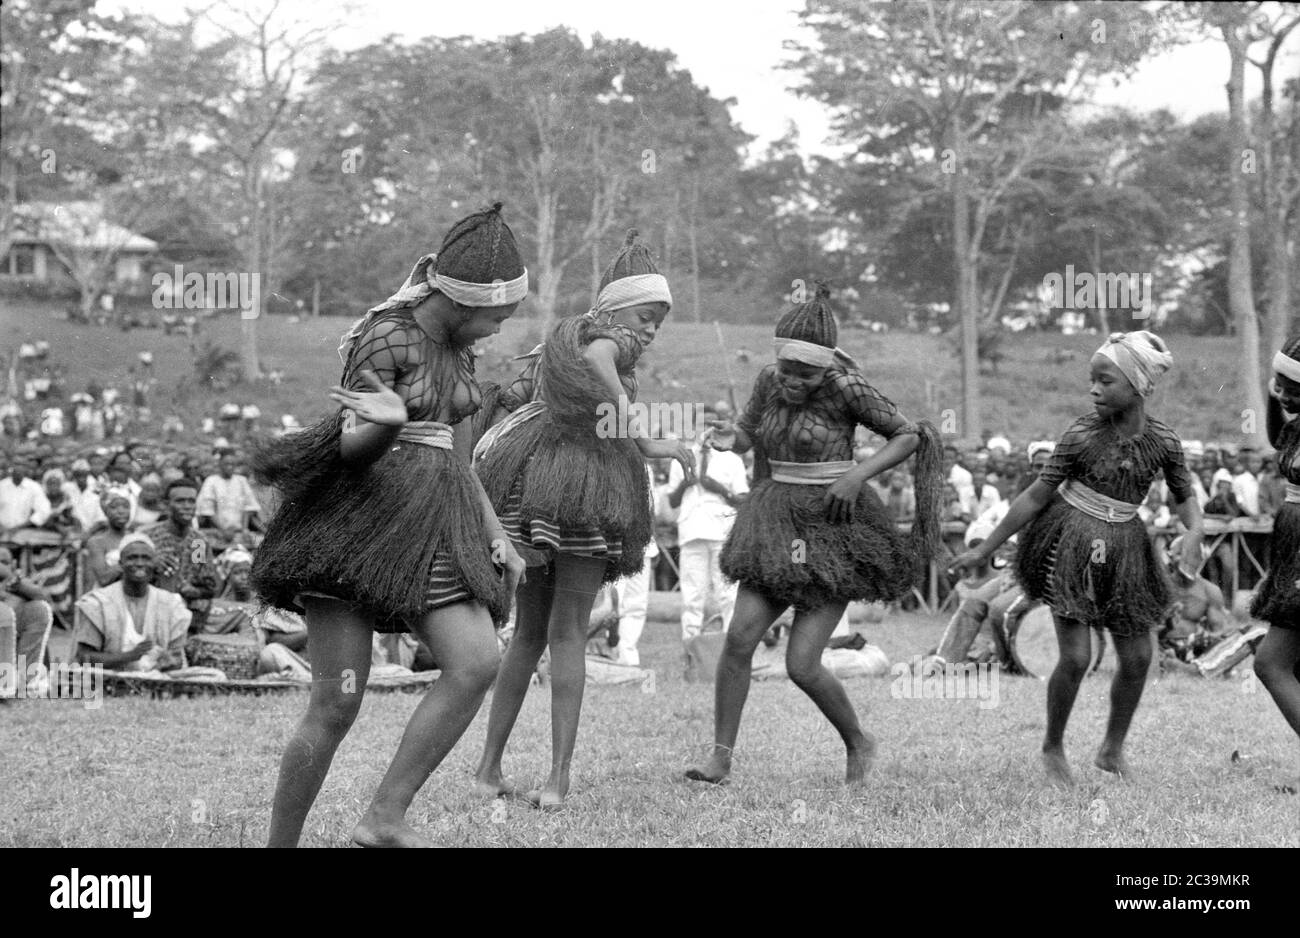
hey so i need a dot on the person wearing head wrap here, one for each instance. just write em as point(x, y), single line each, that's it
point(1277, 599)
point(131, 625)
point(567, 476)
point(1083, 548)
point(813, 534)
point(62, 516)
point(383, 526)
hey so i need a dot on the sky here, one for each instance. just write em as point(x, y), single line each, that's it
point(734, 48)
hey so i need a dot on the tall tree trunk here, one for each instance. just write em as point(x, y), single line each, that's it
point(1241, 298)
point(695, 254)
point(548, 286)
point(248, 356)
point(964, 301)
point(315, 298)
point(1273, 165)
point(1103, 313)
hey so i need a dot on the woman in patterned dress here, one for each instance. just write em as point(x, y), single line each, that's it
point(383, 525)
point(1086, 553)
point(1277, 661)
point(813, 534)
point(573, 495)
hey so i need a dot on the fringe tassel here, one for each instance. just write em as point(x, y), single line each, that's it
point(928, 484)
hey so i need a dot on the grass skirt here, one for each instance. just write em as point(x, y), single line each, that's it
point(783, 547)
point(1095, 572)
point(379, 535)
point(1277, 601)
point(563, 474)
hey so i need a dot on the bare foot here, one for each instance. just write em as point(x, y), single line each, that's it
point(1058, 768)
point(859, 760)
point(372, 832)
point(715, 771)
point(550, 797)
point(493, 786)
point(1113, 762)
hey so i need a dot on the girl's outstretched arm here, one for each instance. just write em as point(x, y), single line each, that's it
point(1022, 511)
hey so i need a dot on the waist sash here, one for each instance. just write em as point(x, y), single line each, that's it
point(1096, 505)
point(426, 433)
point(809, 473)
point(527, 412)
point(1293, 493)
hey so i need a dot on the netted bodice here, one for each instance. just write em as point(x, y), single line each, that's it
point(1093, 453)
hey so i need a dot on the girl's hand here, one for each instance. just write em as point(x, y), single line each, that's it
point(381, 404)
point(840, 498)
point(722, 435)
point(670, 449)
point(505, 555)
point(966, 564)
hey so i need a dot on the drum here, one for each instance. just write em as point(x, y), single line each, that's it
point(234, 654)
point(1033, 644)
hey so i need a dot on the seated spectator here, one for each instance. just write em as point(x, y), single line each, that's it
point(900, 498)
point(983, 494)
point(184, 562)
point(23, 502)
point(226, 501)
point(62, 516)
point(131, 625)
point(986, 597)
point(120, 474)
point(1223, 502)
point(26, 606)
point(102, 546)
point(84, 492)
point(1197, 619)
point(150, 509)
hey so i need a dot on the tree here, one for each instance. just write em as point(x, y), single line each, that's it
point(964, 90)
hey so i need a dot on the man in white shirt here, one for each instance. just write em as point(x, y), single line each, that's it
point(982, 496)
point(84, 492)
point(22, 500)
point(1245, 485)
point(226, 500)
point(633, 594)
point(957, 474)
point(706, 509)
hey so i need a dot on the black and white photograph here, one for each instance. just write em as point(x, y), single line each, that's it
point(768, 424)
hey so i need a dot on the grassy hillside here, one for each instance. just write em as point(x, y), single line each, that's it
point(1032, 395)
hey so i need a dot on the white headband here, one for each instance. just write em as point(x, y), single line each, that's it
point(633, 291)
point(810, 353)
point(1286, 366)
point(423, 280)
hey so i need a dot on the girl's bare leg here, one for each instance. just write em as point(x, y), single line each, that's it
point(577, 581)
point(1075, 642)
point(1277, 665)
point(1134, 652)
point(340, 640)
point(464, 644)
point(754, 615)
point(803, 661)
point(533, 613)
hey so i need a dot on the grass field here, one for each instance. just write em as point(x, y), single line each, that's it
point(1032, 395)
point(201, 772)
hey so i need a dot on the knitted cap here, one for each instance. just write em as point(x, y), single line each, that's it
point(632, 259)
point(480, 248)
point(812, 321)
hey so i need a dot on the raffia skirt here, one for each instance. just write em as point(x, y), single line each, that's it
point(561, 488)
point(1277, 601)
point(1096, 572)
point(783, 546)
point(398, 537)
